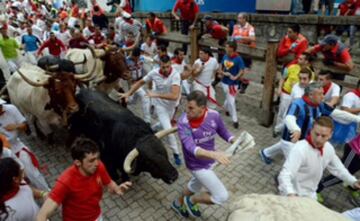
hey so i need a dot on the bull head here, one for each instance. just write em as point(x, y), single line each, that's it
point(135, 153)
point(115, 66)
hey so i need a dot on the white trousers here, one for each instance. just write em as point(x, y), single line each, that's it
point(199, 87)
point(285, 101)
point(145, 103)
point(229, 103)
point(36, 178)
point(164, 115)
point(208, 179)
point(281, 146)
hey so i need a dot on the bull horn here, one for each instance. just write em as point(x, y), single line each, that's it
point(129, 159)
point(81, 62)
point(32, 83)
point(82, 77)
point(92, 50)
point(164, 133)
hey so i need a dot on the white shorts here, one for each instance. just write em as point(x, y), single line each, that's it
point(208, 179)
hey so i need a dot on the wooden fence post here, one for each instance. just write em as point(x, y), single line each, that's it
point(269, 83)
point(194, 45)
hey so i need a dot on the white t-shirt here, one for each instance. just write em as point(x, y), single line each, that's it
point(117, 24)
point(150, 50)
point(351, 100)
point(11, 116)
point(179, 67)
point(297, 91)
point(163, 86)
point(86, 32)
point(207, 74)
point(22, 207)
point(65, 37)
point(37, 31)
point(334, 91)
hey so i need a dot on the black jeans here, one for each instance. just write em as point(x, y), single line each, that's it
point(351, 161)
point(185, 26)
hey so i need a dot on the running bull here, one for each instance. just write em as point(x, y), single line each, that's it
point(48, 97)
point(127, 143)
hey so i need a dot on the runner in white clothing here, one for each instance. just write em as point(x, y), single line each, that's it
point(331, 90)
point(304, 167)
point(17, 201)
point(179, 64)
point(205, 68)
point(164, 97)
point(298, 89)
point(11, 123)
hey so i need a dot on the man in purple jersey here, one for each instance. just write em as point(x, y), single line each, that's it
point(197, 129)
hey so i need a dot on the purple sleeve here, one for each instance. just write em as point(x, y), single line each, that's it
point(186, 138)
point(222, 131)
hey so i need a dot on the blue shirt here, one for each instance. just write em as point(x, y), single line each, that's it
point(305, 116)
point(233, 66)
point(30, 42)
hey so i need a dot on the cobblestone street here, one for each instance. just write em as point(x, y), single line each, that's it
point(150, 199)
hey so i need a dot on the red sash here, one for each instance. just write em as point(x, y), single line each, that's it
point(34, 160)
point(208, 93)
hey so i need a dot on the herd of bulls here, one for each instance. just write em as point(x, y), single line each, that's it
point(72, 92)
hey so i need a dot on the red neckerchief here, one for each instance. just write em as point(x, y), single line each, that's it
point(309, 140)
point(234, 55)
point(176, 60)
point(309, 102)
point(10, 194)
point(357, 92)
point(163, 75)
point(326, 88)
point(195, 123)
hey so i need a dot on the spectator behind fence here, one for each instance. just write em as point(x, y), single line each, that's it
point(336, 54)
point(327, 6)
point(189, 12)
point(292, 45)
point(154, 25)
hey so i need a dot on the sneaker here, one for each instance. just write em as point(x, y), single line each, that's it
point(264, 158)
point(320, 198)
point(236, 125)
point(180, 209)
point(193, 209)
point(177, 159)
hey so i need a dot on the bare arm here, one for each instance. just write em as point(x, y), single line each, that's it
point(46, 210)
point(118, 189)
point(346, 67)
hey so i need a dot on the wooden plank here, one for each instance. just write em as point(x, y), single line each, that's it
point(269, 83)
point(175, 37)
point(256, 53)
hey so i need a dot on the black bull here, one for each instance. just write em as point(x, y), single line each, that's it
point(118, 131)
